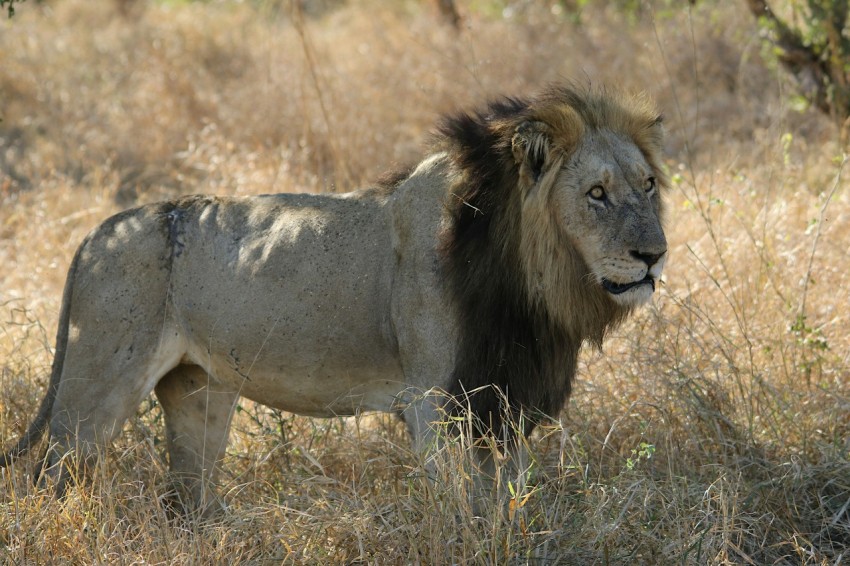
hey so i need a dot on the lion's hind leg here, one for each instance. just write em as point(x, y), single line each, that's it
point(98, 393)
point(197, 420)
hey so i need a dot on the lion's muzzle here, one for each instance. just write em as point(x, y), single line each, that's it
point(620, 288)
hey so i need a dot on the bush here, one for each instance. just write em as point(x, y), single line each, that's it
point(815, 50)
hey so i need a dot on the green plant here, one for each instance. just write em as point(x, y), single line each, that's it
point(814, 48)
point(9, 6)
point(644, 451)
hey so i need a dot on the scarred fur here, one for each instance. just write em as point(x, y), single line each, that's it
point(535, 226)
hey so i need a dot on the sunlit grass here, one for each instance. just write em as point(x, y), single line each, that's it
point(714, 427)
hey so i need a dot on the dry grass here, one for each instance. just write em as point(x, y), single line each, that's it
point(712, 430)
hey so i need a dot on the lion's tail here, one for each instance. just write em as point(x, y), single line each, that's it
point(39, 424)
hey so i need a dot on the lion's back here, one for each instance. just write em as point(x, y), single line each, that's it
point(291, 277)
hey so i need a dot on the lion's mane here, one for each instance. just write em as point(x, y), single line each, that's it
point(517, 343)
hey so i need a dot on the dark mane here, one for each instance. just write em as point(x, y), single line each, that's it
point(476, 147)
point(388, 182)
point(507, 341)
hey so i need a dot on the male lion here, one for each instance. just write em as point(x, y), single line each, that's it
point(534, 226)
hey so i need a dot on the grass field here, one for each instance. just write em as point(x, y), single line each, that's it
point(714, 428)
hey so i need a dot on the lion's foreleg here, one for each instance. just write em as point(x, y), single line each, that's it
point(424, 416)
point(500, 481)
point(485, 471)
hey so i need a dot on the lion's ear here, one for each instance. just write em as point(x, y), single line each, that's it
point(657, 130)
point(530, 146)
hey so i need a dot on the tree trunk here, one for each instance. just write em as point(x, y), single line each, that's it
point(822, 77)
point(448, 11)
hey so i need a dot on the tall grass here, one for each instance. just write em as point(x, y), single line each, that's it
point(714, 427)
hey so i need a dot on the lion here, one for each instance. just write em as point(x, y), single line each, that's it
point(466, 284)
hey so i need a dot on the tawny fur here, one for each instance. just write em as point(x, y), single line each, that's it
point(483, 269)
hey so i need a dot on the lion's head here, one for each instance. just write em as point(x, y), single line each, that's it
point(589, 166)
point(554, 235)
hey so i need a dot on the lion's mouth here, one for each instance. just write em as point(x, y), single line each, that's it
point(620, 288)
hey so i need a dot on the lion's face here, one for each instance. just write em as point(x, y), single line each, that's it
point(607, 200)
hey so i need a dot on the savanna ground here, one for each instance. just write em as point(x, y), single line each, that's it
point(712, 429)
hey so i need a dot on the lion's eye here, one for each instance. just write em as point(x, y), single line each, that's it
point(596, 193)
point(650, 185)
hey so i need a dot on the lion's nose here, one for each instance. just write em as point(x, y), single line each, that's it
point(649, 259)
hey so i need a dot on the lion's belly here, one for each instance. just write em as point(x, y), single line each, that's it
point(317, 391)
point(308, 385)
point(312, 359)
point(320, 355)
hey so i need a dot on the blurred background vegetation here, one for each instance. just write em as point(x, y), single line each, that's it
point(714, 427)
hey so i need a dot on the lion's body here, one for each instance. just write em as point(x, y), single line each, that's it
point(470, 271)
point(296, 312)
point(299, 316)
